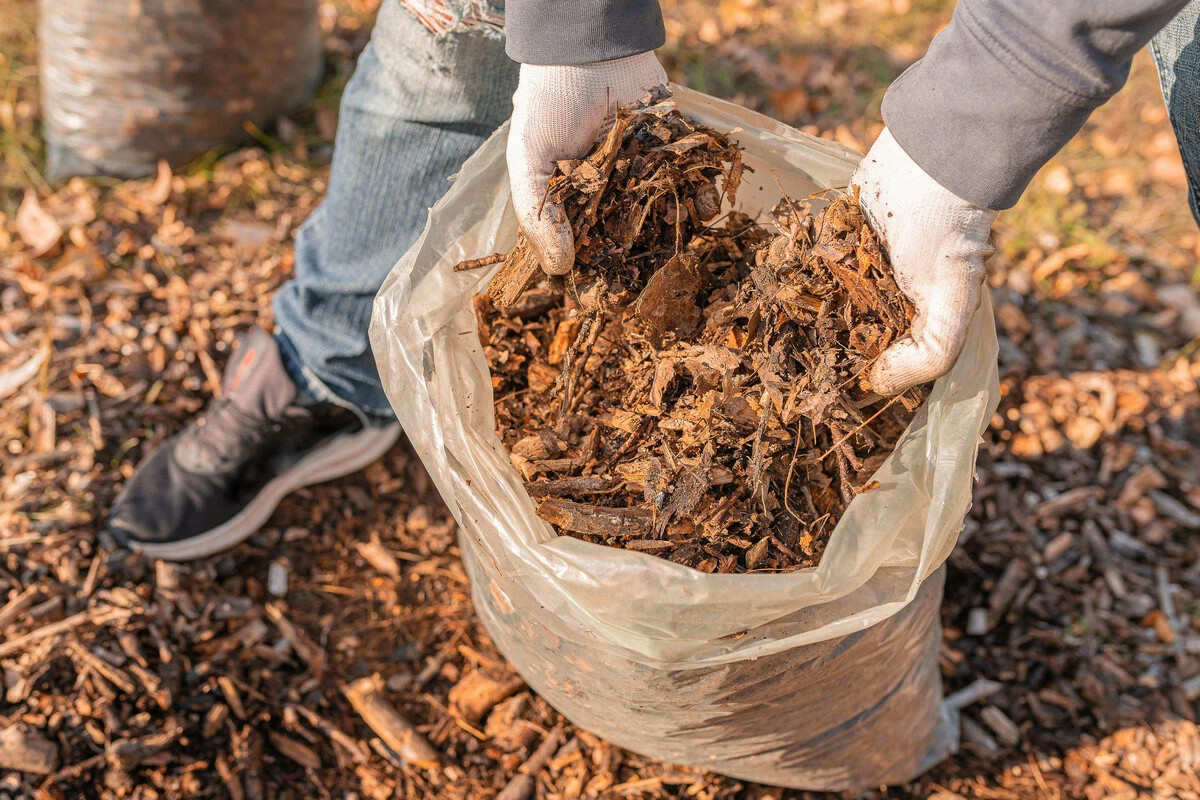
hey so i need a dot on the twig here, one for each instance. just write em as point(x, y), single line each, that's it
point(366, 695)
point(353, 747)
point(73, 771)
point(476, 263)
point(523, 783)
point(787, 482)
point(974, 692)
point(105, 670)
point(17, 605)
point(857, 428)
point(304, 646)
point(53, 629)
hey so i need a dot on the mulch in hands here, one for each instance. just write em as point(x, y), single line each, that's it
point(695, 387)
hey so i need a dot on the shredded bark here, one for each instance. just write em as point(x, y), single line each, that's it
point(695, 387)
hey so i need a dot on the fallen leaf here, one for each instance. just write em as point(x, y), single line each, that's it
point(36, 227)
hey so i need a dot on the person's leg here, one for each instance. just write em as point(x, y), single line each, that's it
point(1176, 51)
point(418, 105)
point(306, 405)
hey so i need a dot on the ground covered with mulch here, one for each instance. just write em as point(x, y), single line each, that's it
point(301, 663)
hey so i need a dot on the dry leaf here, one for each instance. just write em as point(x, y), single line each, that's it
point(36, 227)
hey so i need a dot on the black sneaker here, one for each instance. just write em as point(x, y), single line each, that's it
point(219, 480)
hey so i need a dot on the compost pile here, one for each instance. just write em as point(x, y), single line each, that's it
point(695, 387)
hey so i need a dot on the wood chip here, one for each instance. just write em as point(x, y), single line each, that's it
point(366, 695)
point(24, 749)
point(480, 689)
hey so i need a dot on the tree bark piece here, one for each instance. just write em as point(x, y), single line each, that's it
point(24, 749)
point(366, 695)
point(480, 690)
point(596, 520)
point(517, 273)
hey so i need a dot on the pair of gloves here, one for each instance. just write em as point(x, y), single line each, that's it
point(937, 242)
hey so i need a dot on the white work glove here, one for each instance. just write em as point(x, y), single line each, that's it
point(937, 243)
point(558, 114)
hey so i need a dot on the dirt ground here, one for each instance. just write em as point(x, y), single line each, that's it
point(1075, 587)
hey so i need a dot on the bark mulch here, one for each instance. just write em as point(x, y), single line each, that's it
point(336, 653)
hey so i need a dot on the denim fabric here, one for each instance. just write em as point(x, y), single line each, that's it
point(1176, 51)
point(417, 106)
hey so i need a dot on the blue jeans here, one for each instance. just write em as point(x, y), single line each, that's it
point(1176, 51)
point(418, 105)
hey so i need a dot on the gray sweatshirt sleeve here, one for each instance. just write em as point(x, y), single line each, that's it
point(1008, 82)
point(581, 31)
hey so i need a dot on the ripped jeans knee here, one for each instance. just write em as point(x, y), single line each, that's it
point(452, 17)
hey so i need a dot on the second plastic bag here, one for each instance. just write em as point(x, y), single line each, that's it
point(125, 84)
point(825, 678)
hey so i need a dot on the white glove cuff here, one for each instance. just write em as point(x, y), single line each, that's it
point(626, 76)
point(559, 113)
point(937, 243)
point(912, 211)
point(575, 99)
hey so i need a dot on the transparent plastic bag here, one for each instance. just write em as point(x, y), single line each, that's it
point(126, 83)
point(825, 678)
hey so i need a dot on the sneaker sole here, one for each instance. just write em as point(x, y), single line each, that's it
point(341, 456)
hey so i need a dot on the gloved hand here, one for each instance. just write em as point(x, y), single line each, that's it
point(558, 113)
point(937, 243)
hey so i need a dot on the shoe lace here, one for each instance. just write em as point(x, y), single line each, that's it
point(227, 434)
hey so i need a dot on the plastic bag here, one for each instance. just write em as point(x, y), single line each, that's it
point(125, 84)
point(825, 678)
